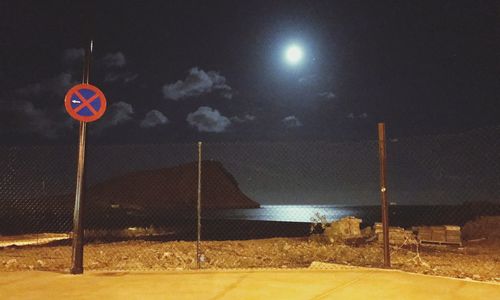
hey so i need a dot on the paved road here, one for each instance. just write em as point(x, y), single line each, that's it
point(254, 284)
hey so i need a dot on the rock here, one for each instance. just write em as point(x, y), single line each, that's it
point(366, 232)
point(345, 228)
point(94, 264)
point(171, 188)
point(11, 263)
point(476, 277)
point(40, 263)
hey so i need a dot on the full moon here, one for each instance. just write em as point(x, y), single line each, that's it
point(294, 54)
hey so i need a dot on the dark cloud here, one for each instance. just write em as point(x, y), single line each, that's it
point(327, 95)
point(39, 121)
point(244, 119)
point(291, 122)
point(117, 59)
point(27, 114)
point(118, 113)
point(124, 77)
point(207, 119)
point(50, 122)
point(198, 82)
point(115, 62)
point(73, 55)
point(46, 123)
point(309, 80)
point(153, 118)
point(57, 86)
point(360, 116)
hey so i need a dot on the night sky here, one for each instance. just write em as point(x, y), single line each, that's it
point(178, 72)
point(183, 71)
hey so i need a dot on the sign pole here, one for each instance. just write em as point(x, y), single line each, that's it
point(382, 151)
point(78, 232)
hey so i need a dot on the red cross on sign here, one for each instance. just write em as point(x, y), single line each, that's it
point(85, 102)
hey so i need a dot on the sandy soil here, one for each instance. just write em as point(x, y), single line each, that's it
point(475, 260)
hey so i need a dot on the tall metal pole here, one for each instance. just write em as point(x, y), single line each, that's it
point(383, 192)
point(198, 209)
point(78, 232)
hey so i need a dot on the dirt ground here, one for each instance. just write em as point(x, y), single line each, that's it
point(478, 260)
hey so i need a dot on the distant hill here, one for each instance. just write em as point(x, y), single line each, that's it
point(174, 187)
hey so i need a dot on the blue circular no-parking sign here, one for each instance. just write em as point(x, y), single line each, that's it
point(85, 102)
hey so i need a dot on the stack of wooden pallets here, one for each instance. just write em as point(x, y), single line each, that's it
point(453, 234)
point(446, 234)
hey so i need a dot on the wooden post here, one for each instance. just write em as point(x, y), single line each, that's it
point(383, 192)
point(198, 210)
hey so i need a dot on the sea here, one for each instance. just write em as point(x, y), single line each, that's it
point(272, 217)
point(399, 215)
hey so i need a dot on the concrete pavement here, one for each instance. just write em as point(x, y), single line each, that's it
point(242, 284)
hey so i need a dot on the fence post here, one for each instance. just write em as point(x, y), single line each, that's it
point(383, 192)
point(198, 209)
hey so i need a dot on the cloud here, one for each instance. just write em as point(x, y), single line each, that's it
point(153, 118)
point(227, 95)
point(327, 95)
point(124, 77)
point(58, 86)
point(47, 124)
point(309, 80)
point(118, 113)
point(114, 60)
point(46, 121)
point(39, 121)
point(198, 82)
point(52, 123)
point(360, 116)
point(291, 122)
point(73, 55)
point(244, 119)
point(207, 119)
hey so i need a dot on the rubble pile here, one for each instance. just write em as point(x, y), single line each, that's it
point(397, 235)
point(487, 227)
point(479, 262)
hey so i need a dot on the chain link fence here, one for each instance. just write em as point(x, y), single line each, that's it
point(262, 204)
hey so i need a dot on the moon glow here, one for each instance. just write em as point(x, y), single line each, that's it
point(294, 54)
